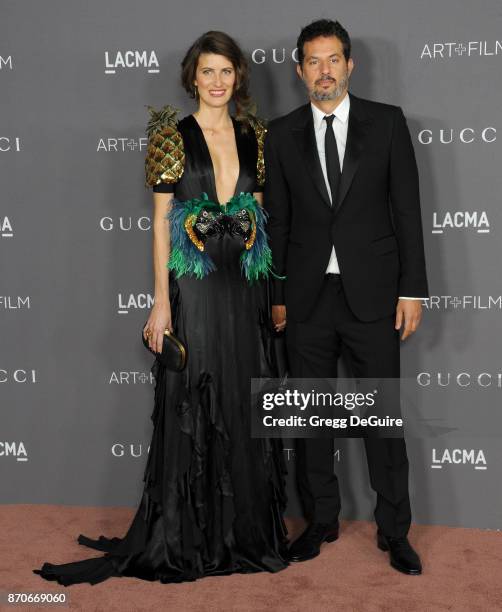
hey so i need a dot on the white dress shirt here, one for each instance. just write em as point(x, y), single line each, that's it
point(340, 125)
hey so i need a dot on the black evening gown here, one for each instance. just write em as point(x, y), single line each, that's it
point(213, 497)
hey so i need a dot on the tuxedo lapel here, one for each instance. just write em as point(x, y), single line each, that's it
point(357, 132)
point(304, 136)
point(303, 132)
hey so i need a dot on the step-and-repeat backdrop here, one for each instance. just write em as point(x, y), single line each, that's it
point(75, 230)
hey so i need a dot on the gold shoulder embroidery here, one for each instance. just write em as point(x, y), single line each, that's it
point(165, 155)
point(260, 129)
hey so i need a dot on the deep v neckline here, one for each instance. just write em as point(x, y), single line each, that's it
point(212, 172)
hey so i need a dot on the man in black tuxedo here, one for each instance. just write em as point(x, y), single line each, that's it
point(345, 229)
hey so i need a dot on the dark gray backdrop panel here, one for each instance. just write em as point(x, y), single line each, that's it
point(75, 245)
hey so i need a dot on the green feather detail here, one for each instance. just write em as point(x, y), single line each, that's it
point(185, 258)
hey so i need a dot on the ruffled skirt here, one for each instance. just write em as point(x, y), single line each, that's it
point(213, 497)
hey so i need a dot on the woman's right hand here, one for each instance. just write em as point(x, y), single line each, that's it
point(158, 321)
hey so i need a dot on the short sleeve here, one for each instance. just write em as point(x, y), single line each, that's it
point(164, 188)
point(165, 155)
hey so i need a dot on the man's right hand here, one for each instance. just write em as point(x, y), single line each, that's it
point(279, 317)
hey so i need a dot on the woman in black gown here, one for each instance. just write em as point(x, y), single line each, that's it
point(214, 497)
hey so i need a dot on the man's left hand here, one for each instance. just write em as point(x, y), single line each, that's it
point(408, 312)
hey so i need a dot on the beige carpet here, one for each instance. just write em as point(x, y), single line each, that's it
point(462, 570)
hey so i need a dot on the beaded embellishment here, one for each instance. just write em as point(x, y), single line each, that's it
point(192, 221)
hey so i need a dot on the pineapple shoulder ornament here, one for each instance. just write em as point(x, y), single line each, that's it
point(165, 155)
point(193, 221)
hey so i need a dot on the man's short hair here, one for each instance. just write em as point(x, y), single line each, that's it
point(323, 27)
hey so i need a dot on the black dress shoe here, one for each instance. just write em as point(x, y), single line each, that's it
point(309, 543)
point(402, 556)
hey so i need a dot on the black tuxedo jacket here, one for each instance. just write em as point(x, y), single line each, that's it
point(376, 226)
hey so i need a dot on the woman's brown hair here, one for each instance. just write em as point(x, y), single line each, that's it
point(220, 43)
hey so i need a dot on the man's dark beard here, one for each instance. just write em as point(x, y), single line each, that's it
point(336, 93)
